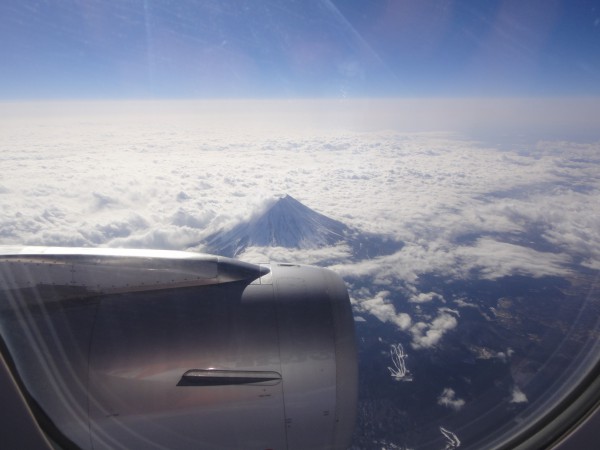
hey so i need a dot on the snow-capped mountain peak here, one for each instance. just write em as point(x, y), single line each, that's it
point(286, 223)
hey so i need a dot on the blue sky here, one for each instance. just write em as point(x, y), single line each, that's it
point(280, 49)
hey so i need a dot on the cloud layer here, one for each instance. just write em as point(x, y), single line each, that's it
point(136, 175)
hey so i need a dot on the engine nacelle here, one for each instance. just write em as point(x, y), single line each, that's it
point(155, 349)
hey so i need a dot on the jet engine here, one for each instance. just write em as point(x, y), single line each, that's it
point(126, 349)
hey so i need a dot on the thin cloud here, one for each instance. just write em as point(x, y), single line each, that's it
point(449, 399)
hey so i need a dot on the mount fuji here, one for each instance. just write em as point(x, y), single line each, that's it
point(288, 223)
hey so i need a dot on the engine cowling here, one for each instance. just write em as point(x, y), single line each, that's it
point(152, 349)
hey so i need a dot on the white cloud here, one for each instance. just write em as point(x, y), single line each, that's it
point(385, 311)
point(462, 303)
point(495, 259)
point(449, 399)
point(517, 396)
point(165, 237)
point(423, 297)
point(427, 335)
point(193, 219)
point(306, 256)
point(450, 310)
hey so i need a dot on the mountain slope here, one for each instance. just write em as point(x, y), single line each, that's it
point(287, 223)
